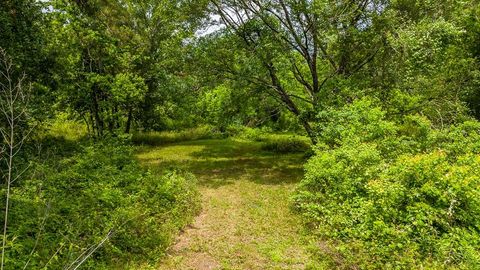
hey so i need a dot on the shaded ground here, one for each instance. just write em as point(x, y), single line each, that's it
point(245, 222)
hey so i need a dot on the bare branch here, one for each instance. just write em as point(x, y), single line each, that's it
point(13, 106)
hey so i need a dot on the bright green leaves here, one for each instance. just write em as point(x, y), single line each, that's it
point(120, 63)
point(128, 89)
point(394, 194)
point(97, 189)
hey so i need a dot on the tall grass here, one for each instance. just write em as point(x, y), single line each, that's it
point(166, 137)
point(286, 144)
point(278, 143)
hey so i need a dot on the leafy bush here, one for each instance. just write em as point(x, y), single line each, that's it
point(62, 127)
point(380, 194)
point(253, 134)
point(234, 130)
point(286, 145)
point(278, 143)
point(161, 138)
point(70, 207)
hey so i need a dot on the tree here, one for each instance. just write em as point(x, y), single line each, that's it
point(139, 43)
point(315, 44)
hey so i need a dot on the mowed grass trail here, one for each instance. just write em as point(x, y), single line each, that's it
point(246, 221)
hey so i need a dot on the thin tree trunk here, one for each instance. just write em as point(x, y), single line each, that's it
point(96, 114)
point(129, 120)
point(9, 182)
point(13, 106)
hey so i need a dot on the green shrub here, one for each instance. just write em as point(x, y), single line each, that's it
point(286, 145)
point(62, 127)
point(380, 194)
point(253, 134)
point(73, 204)
point(234, 130)
point(275, 142)
point(165, 137)
point(278, 143)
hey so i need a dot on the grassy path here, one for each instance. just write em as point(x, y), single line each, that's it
point(245, 222)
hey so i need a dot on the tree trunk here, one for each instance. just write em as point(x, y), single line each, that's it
point(96, 113)
point(308, 128)
point(289, 102)
point(129, 120)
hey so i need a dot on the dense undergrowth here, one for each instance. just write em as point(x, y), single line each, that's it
point(391, 194)
point(91, 203)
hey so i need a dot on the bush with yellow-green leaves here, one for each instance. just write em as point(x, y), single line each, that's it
point(382, 194)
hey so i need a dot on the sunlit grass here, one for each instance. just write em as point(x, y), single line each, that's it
point(61, 127)
point(160, 138)
point(246, 221)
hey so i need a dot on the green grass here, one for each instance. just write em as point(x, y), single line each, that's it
point(62, 128)
point(277, 142)
point(273, 142)
point(246, 221)
point(287, 145)
point(165, 137)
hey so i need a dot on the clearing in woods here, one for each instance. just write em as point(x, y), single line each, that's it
point(246, 222)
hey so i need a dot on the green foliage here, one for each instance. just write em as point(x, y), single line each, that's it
point(21, 35)
point(165, 137)
point(128, 89)
point(61, 127)
point(392, 183)
point(71, 205)
point(273, 142)
point(235, 104)
point(254, 134)
point(393, 195)
point(118, 64)
point(435, 68)
point(286, 145)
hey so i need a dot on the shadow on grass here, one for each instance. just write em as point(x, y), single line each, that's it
point(222, 162)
